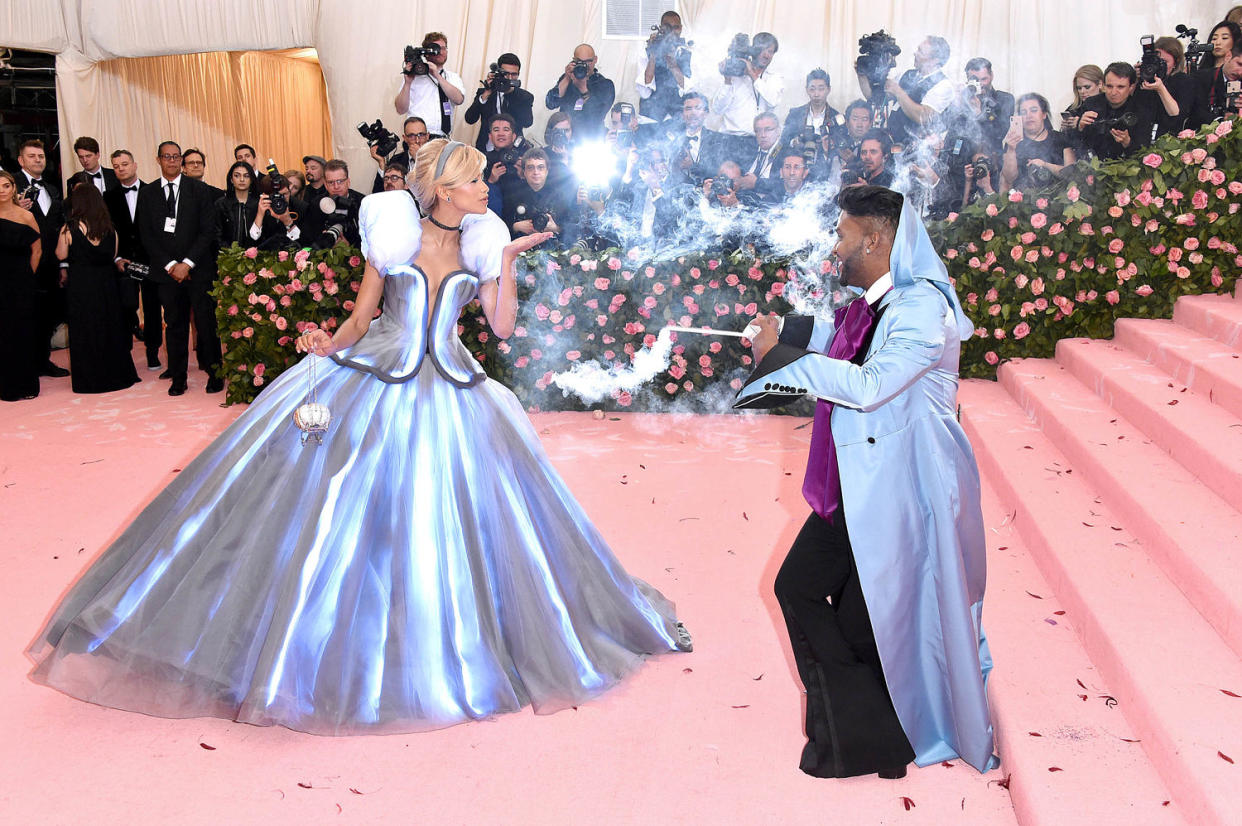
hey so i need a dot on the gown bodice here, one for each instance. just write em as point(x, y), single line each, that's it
point(416, 325)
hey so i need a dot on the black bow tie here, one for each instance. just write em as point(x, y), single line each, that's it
point(133, 188)
point(96, 174)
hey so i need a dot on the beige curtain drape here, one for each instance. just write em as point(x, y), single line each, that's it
point(212, 101)
point(1034, 45)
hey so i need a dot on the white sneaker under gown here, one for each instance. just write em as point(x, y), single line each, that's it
point(422, 567)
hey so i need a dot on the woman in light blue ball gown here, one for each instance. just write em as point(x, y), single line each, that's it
point(422, 567)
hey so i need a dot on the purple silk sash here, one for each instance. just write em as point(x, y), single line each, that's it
point(822, 485)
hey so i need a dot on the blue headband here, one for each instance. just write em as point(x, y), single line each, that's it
point(444, 156)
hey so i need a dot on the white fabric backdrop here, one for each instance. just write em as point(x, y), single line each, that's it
point(1034, 45)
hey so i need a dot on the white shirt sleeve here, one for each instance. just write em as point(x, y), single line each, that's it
point(771, 88)
point(939, 96)
point(454, 79)
point(645, 90)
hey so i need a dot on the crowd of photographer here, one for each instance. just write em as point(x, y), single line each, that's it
point(688, 164)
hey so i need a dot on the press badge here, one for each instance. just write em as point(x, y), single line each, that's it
point(170, 225)
point(578, 104)
point(448, 109)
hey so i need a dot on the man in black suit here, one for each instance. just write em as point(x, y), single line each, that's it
point(93, 172)
point(414, 137)
point(176, 223)
point(761, 174)
point(516, 102)
point(123, 207)
point(696, 152)
point(194, 165)
point(42, 197)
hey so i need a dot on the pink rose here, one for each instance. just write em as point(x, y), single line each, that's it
point(1182, 272)
point(991, 295)
point(252, 253)
point(248, 332)
point(573, 355)
point(676, 371)
point(1013, 221)
point(1041, 304)
point(995, 309)
point(1072, 193)
point(1144, 198)
point(1223, 128)
point(614, 263)
point(1153, 160)
point(1016, 253)
point(1022, 330)
point(1037, 286)
point(1115, 212)
point(1116, 245)
point(249, 278)
point(1041, 203)
point(1039, 220)
point(1112, 296)
point(1032, 256)
point(1027, 238)
point(232, 310)
point(1056, 229)
point(602, 283)
point(1015, 197)
point(282, 323)
point(991, 210)
point(1144, 290)
point(987, 235)
point(1199, 200)
point(348, 306)
point(1020, 280)
point(990, 357)
point(670, 388)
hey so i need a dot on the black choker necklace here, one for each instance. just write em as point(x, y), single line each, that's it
point(444, 227)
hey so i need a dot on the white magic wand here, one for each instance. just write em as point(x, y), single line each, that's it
point(750, 332)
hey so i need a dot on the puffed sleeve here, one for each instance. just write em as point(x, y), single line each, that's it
point(483, 241)
point(391, 232)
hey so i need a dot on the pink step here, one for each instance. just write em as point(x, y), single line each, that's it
point(1215, 316)
point(1192, 534)
point(1208, 367)
point(1204, 438)
point(1165, 666)
point(1041, 724)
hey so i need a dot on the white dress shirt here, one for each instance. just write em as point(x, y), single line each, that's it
point(736, 104)
point(425, 98)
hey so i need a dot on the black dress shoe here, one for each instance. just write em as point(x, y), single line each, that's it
point(215, 384)
point(167, 374)
point(177, 388)
point(153, 363)
point(892, 774)
point(52, 370)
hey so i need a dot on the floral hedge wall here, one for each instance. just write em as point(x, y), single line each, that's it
point(1120, 239)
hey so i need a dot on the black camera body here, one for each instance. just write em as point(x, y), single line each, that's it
point(1198, 55)
point(417, 58)
point(722, 187)
point(742, 55)
point(1151, 64)
point(558, 139)
point(877, 56)
point(338, 220)
point(539, 218)
point(1123, 122)
point(582, 69)
point(853, 171)
point(498, 83)
point(378, 136)
point(31, 192)
point(982, 168)
point(508, 156)
point(273, 182)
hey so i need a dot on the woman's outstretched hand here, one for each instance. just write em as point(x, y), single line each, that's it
point(318, 342)
point(525, 243)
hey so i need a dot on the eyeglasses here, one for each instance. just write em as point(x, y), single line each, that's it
point(417, 136)
point(173, 157)
point(394, 177)
point(190, 163)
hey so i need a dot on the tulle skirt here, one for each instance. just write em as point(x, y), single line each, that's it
point(422, 567)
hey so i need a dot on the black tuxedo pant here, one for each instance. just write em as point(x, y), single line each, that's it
point(851, 727)
point(152, 318)
point(190, 298)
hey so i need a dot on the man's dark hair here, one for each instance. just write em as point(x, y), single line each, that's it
point(764, 39)
point(818, 74)
point(886, 141)
point(35, 143)
point(336, 164)
point(118, 153)
point(793, 153)
point(242, 146)
point(1123, 69)
point(509, 59)
point(187, 153)
point(87, 143)
point(940, 49)
point(707, 107)
point(159, 150)
point(976, 64)
point(858, 104)
point(878, 203)
point(412, 119)
point(397, 166)
point(502, 117)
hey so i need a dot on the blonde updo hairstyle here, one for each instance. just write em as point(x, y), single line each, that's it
point(463, 165)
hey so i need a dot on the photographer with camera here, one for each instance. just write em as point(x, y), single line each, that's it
point(664, 75)
point(980, 173)
point(1120, 120)
point(428, 90)
point(874, 163)
point(1180, 85)
point(532, 206)
point(558, 137)
point(1211, 83)
point(504, 163)
point(815, 120)
point(334, 219)
point(582, 93)
point(414, 136)
point(750, 85)
point(255, 209)
point(501, 92)
point(920, 95)
point(1035, 153)
point(987, 110)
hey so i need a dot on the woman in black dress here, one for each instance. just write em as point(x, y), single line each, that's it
point(1034, 152)
point(100, 346)
point(21, 356)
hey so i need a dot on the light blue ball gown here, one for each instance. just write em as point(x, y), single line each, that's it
point(422, 567)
